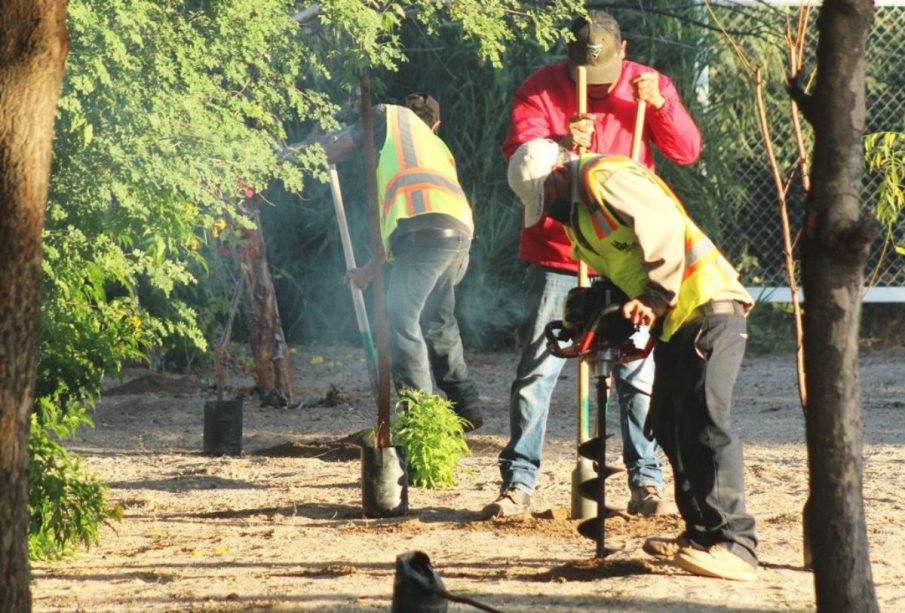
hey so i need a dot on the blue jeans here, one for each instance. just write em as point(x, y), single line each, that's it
point(538, 371)
point(423, 332)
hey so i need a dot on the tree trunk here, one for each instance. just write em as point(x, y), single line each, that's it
point(273, 372)
point(33, 47)
point(834, 253)
point(382, 435)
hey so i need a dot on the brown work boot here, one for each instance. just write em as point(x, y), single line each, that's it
point(512, 501)
point(648, 501)
point(717, 561)
point(665, 547)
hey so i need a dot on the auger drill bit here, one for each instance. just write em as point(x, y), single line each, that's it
point(595, 449)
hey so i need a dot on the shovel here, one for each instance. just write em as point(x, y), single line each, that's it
point(361, 313)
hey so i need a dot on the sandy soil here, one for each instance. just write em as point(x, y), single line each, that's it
point(280, 528)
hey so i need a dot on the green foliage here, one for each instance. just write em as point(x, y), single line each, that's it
point(492, 25)
point(885, 154)
point(433, 437)
point(66, 504)
point(166, 107)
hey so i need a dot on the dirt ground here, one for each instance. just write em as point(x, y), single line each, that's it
point(280, 528)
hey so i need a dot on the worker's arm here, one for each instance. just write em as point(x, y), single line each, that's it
point(660, 230)
point(338, 145)
point(671, 126)
point(541, 108)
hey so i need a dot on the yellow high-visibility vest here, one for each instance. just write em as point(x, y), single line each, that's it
point(599, 238)
point(416, 175)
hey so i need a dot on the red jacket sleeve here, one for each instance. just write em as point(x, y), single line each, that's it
point(672, 129)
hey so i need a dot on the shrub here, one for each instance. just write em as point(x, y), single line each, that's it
point(66, 504)
point(433, 437)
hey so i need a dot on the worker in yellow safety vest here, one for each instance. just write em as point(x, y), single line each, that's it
point(628, 225)
point(426, 228)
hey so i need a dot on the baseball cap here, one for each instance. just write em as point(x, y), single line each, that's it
point(597, 45)
point(529, 167)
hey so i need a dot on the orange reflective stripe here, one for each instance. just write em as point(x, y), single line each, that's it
point(602, 223)
point(698, 253)
point(413, 179)
point(692, 268)
point(601, 220)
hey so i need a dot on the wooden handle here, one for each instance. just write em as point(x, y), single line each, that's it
point(639, 130)
point(581, 94)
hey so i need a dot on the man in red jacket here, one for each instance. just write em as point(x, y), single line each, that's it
point(545, 106)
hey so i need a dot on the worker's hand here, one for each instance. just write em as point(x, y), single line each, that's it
point(361, 277)
point(638, 312)
point(581, 128)
point(647, 89)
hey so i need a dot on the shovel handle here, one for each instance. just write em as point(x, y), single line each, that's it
point(358, 302)
point(639, 129)
point(581, 94)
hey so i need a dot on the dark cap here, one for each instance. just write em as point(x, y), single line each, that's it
point(425, 106)
point(597, 45)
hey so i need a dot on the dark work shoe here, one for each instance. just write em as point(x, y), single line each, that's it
point(648, 501)
point(512, 501)
point(471, 414)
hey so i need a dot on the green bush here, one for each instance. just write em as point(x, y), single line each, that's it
point(433, 437)
point(165, 108)
point(66, 504)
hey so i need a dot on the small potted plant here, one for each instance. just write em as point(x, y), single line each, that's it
point(433, 437)
point(223, 418)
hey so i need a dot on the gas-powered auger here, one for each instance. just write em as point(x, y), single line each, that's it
point(599, 334)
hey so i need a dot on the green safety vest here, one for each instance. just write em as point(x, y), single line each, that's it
point(600, 238)
point(416, 174)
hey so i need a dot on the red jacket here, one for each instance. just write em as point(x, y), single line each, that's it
point(541, 108)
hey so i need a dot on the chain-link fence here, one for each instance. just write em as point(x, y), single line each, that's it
point(748, 223)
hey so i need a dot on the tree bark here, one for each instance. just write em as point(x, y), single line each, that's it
point(273, 372)
point(382, 435)
point(834, 253)
point(33, 47)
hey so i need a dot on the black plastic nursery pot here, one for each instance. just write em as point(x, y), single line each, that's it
point(223, 427)
point(416, 585)
point(384, 482)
